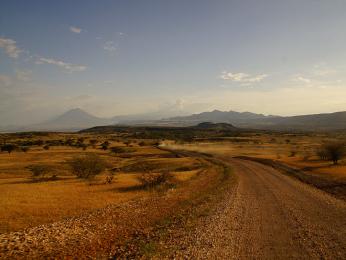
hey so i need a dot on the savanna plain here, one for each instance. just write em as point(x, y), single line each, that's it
point(133, 194)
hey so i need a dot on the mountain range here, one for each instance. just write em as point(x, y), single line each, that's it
point(77, 119)
point(313, 122)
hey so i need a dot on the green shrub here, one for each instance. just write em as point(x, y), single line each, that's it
point(322, 154)
point(39, 142)
point(25, 149)
point(93, 142)
point(105, 145)
point(117, 149)
point(80, 140)
point(8, 148)
point(334, 151)
point(87, 166)
point(150, 180)
point(109, 178)
point(69, 142)
point(41, 171)
point(141, 143)
point(81, 145)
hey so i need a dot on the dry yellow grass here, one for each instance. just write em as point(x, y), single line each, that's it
point(274, 146)
point(29, 204)
point(24, 203)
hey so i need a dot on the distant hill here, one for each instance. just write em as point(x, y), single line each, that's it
point(238, 119)
point(315, 122)
point(223, 117)
point(205, 130)
point(77, 119)
point(72, 120)
point(215, 126)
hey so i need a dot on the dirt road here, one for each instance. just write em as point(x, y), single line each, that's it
point(271, 216)
point(263, 214)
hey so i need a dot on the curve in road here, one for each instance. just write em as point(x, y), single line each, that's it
point(269, 215)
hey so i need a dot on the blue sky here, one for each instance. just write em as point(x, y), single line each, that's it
point(178, 57)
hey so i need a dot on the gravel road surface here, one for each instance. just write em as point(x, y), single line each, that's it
point(268, 215)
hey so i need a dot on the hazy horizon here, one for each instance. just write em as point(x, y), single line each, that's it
point(114, 58)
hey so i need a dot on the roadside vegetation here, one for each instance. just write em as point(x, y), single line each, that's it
point(332, 151)
point(87, 166)
point(48, 176)
point(45, 177)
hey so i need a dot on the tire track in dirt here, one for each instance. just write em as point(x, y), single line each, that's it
point(268, 215)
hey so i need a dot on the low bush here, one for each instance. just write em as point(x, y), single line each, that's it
point(25, 149)
point(81, 145)
point(39, 142)
point(109, 178)
point(41, 171)
point(8, 148)
point(322, 154)
point(105, 145)
point(93, 142)
point(119, 149)
point(69, 142)
point(141, 143)
point(151, 180)
point(87, 166)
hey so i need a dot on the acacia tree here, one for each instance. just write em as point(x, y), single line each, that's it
point(87, 166)
point(105, 145)
point(93, 142)
point(40, 171)
point(334, 151)
point(8, 148)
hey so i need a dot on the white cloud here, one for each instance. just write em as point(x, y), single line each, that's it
point(75, 29)
point(10, 47)
point(110, 47)
point(302, 79)
point(67, 66)
point(319, 75)
point(243, 77)
point(13, 51)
